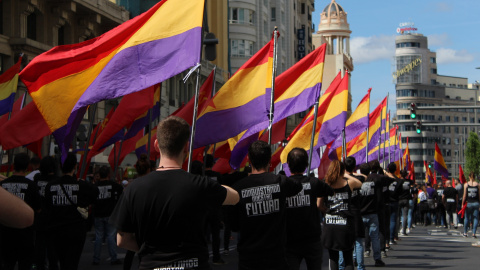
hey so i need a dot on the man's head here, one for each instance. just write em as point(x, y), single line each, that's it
point(259, 154)
point(403, 173)
point(70, 164)
point(35, 163)
point(20, 162)
point(375, 166)
point(209, 161)
point(48, 165)
point(172, 137)
point(297, 160)
point(365, 169)
point(104, 172)
point(448, 183)
point(392, 167)
point(350, 164)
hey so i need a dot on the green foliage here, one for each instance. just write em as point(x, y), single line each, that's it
point(472, 155)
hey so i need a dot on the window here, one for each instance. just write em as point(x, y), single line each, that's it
point(447, 118)
point(456, 130)
point(440, 118)
point(408, 45)
point(472, 120)
point(456, 141)
point(433, 70)
point(241, 16)
point(433, 82)
point(464, 119)
point(303, 8)
point(433, 60)
point(408, 69)
point(241, 48)
point(455, 119)
point(32, 26)
point(273, 14)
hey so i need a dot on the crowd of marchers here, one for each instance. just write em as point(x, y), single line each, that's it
point(166, 214)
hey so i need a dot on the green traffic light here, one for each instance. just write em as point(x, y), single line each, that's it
point(413, 115)
point(419, 131)
point(429, 166)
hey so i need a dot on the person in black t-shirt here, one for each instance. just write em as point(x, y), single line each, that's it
point(394, 191)
point(43, 245)
point(260, 214)
point(403, 200)
point(66, 226)
point(108, 194)
point(162, 215)
point(17, 245)
point(303, 218)
point(440, 209)
point(450, 200)
point(214, 217)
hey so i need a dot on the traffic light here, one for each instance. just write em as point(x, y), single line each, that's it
point(429, 165)
point(413, 113)
point(418, 126)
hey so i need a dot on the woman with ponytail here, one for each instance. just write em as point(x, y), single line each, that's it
point(339, 228)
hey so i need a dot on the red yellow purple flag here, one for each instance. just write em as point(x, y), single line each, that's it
point(8, 87)
point(439, 163)
point(141, 52)
point(406, 157)
point(461, 175)
point(428, 173)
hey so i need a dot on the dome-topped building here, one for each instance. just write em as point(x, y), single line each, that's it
point(335, 31)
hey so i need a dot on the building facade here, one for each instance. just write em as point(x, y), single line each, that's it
point(417, 81)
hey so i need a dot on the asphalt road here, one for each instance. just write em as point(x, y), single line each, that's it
point(424, 248)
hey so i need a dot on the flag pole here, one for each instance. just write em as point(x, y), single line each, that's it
point(366, 147)
point(194, 120)
point(315, 113)
point(385, 133)
point(208, 146)
point(380, 137)
point(272, 90)
point(344, 146)
point(92, 112)
point(389, 145)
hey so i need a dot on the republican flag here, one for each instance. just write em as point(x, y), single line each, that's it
point(428, 174)
point(376, 126)
point(141, 147)
point(140, 53)
point(439, 164)
point(411, 172)
point(204, 97)
point(406, 157)
point(132, 106)
point(324, 163)
point(8, 87)
point(241, 103)
point(356, 124)
point(275, 160)
point(333, 97)
point(17, 106)
point(128, 146)
point(461, 175)
point(24, 127)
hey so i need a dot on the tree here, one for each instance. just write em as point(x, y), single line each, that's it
point(472, 155)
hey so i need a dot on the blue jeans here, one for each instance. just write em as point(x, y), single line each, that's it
point(357, 255)
point(372, 226)
point(393, 219)
point(410, 213)
point(103, 228)
point(471, 212)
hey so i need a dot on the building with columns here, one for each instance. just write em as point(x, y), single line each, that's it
point(335, 31)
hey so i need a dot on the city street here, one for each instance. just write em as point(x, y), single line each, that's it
point(424, 248)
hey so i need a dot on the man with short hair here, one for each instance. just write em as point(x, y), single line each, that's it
point(303, 217)
point(450, 200)
point(394, 189)
point(260, 214)
point(17, 245)
point(35, 164)
point(162, 215)
point(108, 194)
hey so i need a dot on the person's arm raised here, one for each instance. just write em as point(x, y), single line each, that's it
point(232, 197)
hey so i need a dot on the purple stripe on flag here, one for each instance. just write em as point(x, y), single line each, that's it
point(241, 150)
point(6, 104)
point(439, 168)
point(65, 134)
point(220, 125)
point(141, 66)
point(331, 129)
point(115, 138)
point(351, 132)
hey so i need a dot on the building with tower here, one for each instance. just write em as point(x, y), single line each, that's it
point(417, 81)
point(335, 31)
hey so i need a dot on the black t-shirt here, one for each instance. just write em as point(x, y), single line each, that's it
point(395, 189)
point(303, 217)
point(372, 193)
point(450, 194)
point(260, 215)
point(167, 211)
point(41, 218)
point(61, 212)
point(214, 175)
point(108, 194)
point(405, 192)
point(413, 191)
point(440, 191)
point(26, 190)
